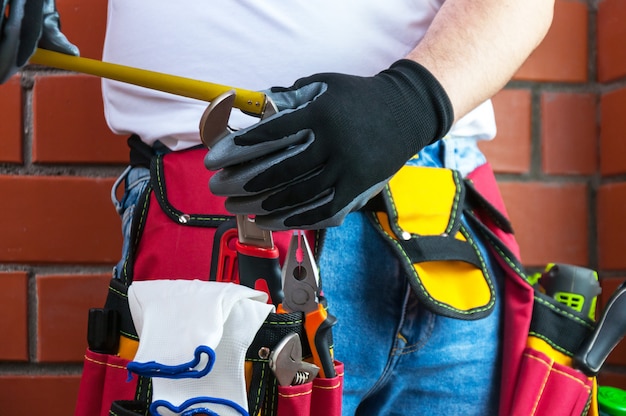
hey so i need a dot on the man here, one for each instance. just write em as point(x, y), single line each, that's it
point(392, 79)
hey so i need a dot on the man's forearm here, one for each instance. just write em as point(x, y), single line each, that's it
point(474, 47)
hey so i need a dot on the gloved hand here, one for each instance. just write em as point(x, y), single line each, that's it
point(335, 142)
point(29, 23)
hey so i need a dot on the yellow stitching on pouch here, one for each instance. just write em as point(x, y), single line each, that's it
point(270, 398)
point(418, 281)
point(131, 336)
point(333, 387)
point(551, 343)
point(289, 396)
point(112, 289)
point(545, 379)
point(121, 367)
point(506, 258)
point(562, 312)
point(552, 369)
point(453, 211)
point(163, 196)
point(142, 219)
point(455, 204)
point(258, 392)
point(297, 322)
point(484, 268)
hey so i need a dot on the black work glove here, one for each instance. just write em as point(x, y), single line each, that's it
point(29, 23)
point(333, 145)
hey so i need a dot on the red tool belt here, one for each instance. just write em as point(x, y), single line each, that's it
point(182, 231)
point(541, 335)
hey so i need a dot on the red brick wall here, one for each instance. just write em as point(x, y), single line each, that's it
point(59, 233)
point(559, 150)
point(557, 156)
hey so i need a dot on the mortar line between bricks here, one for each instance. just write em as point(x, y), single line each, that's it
point(58, 268)
point(535, 133)
point(595, 180)
point(592, 41)
point(28, 82)
point(40, 369)
point(32, 317)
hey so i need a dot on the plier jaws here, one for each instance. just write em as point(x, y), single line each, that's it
point(300, 277)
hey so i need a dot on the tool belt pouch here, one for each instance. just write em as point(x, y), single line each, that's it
point(420, 215)
point(540, 334)
point(319, 397)
point(113, 341)
point(179, 230)
point(547, 383)
point(175, 229)
point(104, 379)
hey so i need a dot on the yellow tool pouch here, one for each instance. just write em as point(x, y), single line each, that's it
point(420, 215)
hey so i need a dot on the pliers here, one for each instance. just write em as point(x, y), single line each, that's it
point(301, 290)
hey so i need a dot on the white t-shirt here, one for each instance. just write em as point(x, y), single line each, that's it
point(253, 44)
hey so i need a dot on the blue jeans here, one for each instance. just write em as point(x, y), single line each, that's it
point(400, 358)
point(134, 180)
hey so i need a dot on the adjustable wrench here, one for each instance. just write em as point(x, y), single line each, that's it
point(257, 256)
point(287, 365)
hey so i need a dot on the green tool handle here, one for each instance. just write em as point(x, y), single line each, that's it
point(252, 102)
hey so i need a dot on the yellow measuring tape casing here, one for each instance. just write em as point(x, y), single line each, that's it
point(422, 221)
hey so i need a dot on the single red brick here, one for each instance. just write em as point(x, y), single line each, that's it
point(611, 33)
point(69, 124)
point(38, 395)
point(510, 150)
point(63, 305)
point(569, 133)
point(84, 23)
point(11, 124)
point(562, 56)
point(613, 379)
point(612, 128)
point(58, 219)
point(612, 226)
point(14, 316)
point(544, 232)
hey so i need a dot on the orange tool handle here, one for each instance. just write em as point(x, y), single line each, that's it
point(252, 102)
point(317, 325)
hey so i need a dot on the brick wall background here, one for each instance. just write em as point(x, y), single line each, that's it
point(558, 157)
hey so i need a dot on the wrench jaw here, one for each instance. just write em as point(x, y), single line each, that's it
point(214, 120)
point(287, 365)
